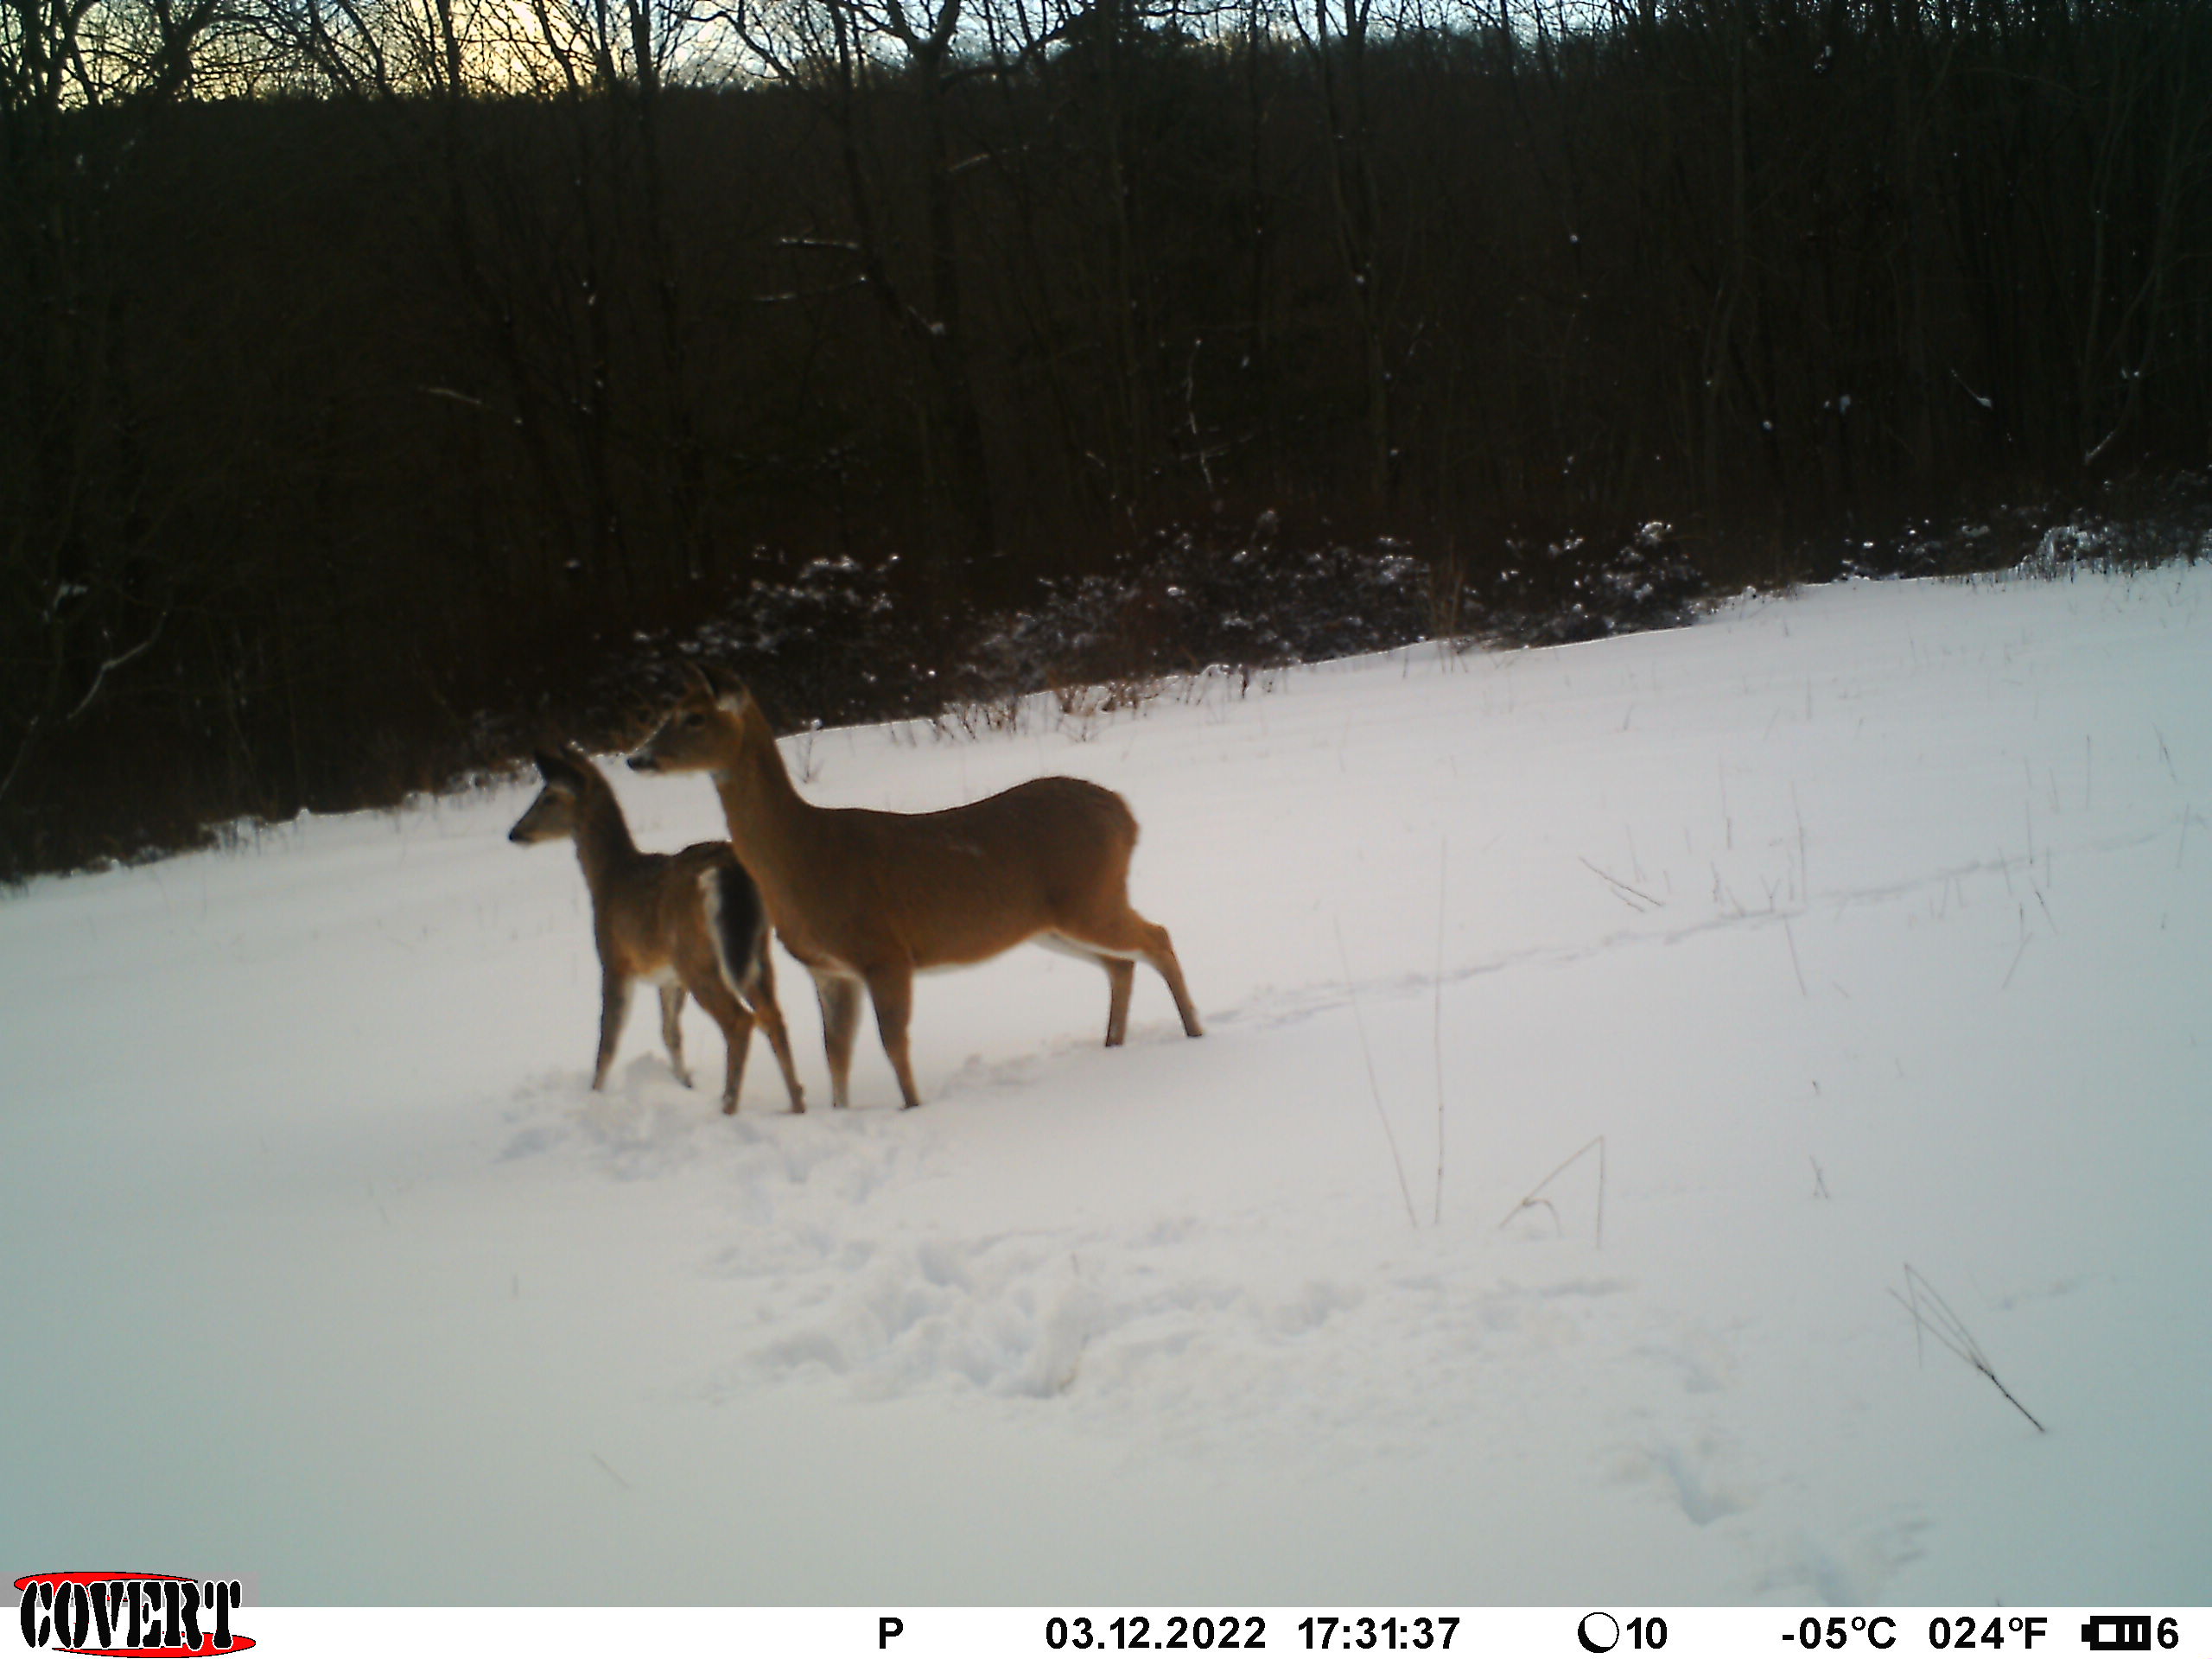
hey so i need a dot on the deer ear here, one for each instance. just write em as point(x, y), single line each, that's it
point(696, 678)
point(720, 685)
point(730, 693)
point(557, 768)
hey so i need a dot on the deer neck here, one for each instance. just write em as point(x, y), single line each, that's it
point(767, 820)
point(603, 843)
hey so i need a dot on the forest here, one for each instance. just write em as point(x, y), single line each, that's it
point(386, 384)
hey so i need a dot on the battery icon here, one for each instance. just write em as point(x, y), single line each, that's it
point(2118, 1633)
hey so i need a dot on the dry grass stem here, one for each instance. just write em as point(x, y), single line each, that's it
point(1436, 1034)
point(1536, 1198)
point(1628, 895)
point(1932, 1314)
point(1374, 1088)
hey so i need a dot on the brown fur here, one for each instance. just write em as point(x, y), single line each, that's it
point(652, 919)
point(866, 898)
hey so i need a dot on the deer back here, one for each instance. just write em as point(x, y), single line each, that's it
point(942, 888)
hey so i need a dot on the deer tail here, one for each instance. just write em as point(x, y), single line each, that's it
point(738, 924)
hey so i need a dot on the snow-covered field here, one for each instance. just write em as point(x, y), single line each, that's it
point(1868, 928)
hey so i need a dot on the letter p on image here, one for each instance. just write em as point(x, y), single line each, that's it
point(886, 1627)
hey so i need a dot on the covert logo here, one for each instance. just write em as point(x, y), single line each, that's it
point(153, 1615)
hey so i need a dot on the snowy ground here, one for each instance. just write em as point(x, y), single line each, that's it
point(1870, 928)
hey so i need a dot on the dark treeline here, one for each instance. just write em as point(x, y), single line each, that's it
point(372, 378)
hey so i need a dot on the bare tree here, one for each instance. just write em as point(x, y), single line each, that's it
point(855, 60)
point(84, 600)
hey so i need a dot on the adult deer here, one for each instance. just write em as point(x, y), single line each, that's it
point(688, 921)
point(866, 898)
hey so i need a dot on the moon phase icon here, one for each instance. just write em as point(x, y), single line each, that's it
point(1598, 1632)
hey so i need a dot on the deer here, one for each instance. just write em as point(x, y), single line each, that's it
point(687, 921)
point(868, 899)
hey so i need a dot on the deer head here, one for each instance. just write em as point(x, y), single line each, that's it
point(555, 815)
point(702, 731)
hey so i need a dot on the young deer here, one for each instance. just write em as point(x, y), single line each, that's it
point(867, 897)
point(687, 921)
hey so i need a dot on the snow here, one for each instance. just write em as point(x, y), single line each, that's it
point(1869, 927)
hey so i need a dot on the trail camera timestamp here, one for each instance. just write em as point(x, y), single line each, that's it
point(1248, 1632)
point(1369, 1634)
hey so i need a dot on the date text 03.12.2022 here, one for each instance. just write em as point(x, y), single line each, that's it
point(1133, 1631)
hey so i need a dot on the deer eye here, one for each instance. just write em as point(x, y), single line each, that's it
point(695, 718)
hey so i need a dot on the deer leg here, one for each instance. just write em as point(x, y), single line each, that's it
point(770, 1018)
point(1120, 974)
point(613, 1009)
point(671, 1030)
point(1159, 951)
point(892, 990)
point(737, 1031)
point(1129, 936)
point(840, 1017)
